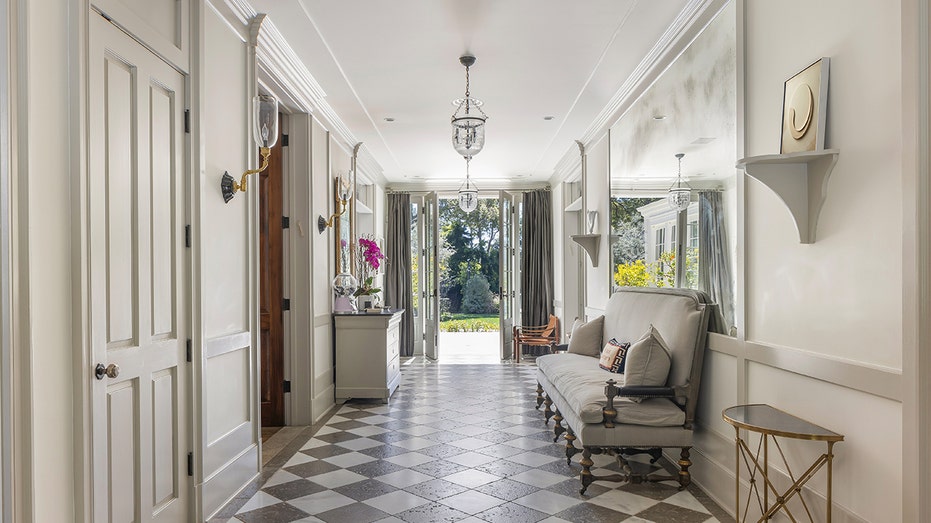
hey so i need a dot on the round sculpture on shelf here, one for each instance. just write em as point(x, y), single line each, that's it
point(344, 289)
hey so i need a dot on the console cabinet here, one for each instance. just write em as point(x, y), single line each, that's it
point(368, 363)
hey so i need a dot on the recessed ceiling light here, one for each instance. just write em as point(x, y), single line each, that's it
point(659, 117)
point(703, 140)
point(389, 119)
point(548, 118)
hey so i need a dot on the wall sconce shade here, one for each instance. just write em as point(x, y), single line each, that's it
point(345, 182)
point(265, 116)
point(265, 134)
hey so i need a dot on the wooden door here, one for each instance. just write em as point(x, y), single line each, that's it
point(135, 211)
point(271, 299)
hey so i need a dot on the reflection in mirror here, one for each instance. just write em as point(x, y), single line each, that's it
point(691, 109)
point(344, 226)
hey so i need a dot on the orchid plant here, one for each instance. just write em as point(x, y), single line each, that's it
point(369, 259)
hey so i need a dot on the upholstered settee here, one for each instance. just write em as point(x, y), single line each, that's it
point(603, 411)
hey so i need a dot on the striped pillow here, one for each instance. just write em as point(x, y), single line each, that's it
point(612, 356)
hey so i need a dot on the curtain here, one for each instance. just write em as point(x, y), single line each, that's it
point(714, 262)
point(398, 269)
point(537, 258)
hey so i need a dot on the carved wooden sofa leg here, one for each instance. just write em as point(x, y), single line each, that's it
point(547, 411)
point(685, 478)
point(586, 474)
point(571, 450)
point(558, 428)
point(539, 395)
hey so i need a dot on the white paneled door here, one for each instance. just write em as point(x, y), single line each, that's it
point(135, 231)
point(431, 264)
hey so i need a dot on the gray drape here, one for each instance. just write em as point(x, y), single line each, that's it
point(537, 258)
point(714, 259)
point(398, 269)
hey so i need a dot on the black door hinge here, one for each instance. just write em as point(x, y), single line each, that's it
point(284, 140)
point(285, 222)
point(187, 121)
point(287, 385)
point(188, 354)
point(286, 304)
point(190, 464)
point(187, 235)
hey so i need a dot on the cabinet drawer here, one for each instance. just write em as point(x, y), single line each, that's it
point(394, 335)
point(394, 350)
point(394, 366)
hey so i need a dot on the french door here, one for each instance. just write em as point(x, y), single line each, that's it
point(431, 287)
point(508, 233)
point(137, 313)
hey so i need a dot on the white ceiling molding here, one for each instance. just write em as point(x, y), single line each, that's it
point(690, 22)
point(450, 187)
point(283, 72)
point(569, 165)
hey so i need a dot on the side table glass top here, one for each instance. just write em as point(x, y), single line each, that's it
point(770, 420)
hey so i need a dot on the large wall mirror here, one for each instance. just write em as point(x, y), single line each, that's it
point(690, 109)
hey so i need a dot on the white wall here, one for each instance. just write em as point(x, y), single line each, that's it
point(823, 330)
point(46, 170)
point(595, 187)
point(230, 432)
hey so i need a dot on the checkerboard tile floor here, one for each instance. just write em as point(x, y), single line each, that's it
point(455, 443)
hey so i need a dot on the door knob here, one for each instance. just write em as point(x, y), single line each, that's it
point(111, 371)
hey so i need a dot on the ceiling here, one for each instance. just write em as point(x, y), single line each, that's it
point(535, 58)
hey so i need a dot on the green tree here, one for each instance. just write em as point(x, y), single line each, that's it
point(477, 298)
point(472, 243)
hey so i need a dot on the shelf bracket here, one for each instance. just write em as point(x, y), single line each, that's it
point(590, 243)
point(800, 180)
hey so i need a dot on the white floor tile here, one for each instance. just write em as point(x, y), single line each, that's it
point(538, 478)
point(404, 478)
point(471, 478)
point(350, 459)
point(282, 476)
point(623, 501)
point(299, 458)
point(360, 444)
point(471, 459)
point(415, 443)
point(547, 502)
point(471, 502)
point(410, 459)
point(259, 500)
point(396, 502)
point(532, 459)
point(337, 478)
point(321, 502)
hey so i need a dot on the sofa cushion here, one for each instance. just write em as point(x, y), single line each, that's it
point(586, 338)
point(648, 361)
point(580, 384)
point(677, 313)
point(612, 356)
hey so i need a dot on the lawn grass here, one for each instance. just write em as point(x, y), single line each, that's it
point(461, 322)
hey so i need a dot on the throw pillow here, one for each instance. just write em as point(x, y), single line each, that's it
point(575, 325)
point(647, 362)
point(586, 338)
point(613, 355)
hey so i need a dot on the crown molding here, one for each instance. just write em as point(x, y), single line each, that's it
point(281, 70)
point(690, 22)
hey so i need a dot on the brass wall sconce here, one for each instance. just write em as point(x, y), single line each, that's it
point(344, 185)
point(265, 134)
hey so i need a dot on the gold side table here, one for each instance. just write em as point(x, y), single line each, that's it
point(770, 423)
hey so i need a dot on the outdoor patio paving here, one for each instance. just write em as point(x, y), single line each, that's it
point(470, 348)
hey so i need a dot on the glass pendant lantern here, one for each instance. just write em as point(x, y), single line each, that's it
point(468, 192)
point(679, 196)
point(468, 121)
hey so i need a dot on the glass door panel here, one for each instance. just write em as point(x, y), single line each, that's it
point(431, 277)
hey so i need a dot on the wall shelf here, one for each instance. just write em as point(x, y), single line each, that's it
point(591, 243)
point(800, 180)
point(361, 208)
point(576, 205)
